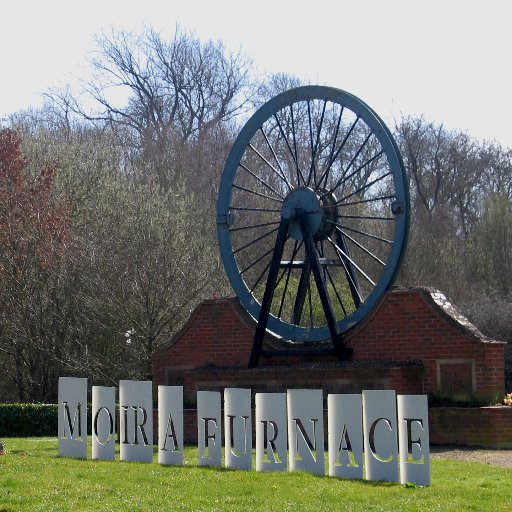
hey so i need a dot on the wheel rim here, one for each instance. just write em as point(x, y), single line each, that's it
point(324, 151)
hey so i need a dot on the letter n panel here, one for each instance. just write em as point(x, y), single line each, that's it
point(413, 439)
point(380, 435)
point(306, 430)
point(72, 421)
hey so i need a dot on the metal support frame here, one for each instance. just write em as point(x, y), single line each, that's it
point(311, 264)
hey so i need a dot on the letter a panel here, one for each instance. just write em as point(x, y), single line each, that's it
point(170, 425)
point(345, 436)
point(72, 422)
point(380, 435)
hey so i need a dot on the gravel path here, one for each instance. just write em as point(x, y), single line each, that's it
point(495, 457)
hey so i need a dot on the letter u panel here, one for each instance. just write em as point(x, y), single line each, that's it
point(413, 439)
point(380, 435)
point(209, 428)
point(238, 428)
point(345, 436)
point(72, 420)
point(170, 425)
point(103, 423)
point(271, 432)
point(136, 420)
point(306, 430)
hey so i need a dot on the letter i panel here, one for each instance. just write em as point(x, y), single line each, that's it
point(345, 436)
point(271, 432)
point(238, 428)
point(380, 435)
point(170, 425)
point(72, 421)
point(413, 439)
point(306, 430)
point(209, 441)
point(103, 423)
point(136, 420)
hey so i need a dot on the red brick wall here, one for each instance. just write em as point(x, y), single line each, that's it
point(483, 426)
point(407, 326)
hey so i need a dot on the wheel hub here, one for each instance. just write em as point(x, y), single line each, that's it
point(320, 212)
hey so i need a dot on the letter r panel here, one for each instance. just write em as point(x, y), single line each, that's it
point(136, 420)
point(271, 432)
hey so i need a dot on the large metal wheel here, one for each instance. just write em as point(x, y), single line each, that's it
point(314, 170)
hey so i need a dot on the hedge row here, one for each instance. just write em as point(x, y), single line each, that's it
point(28, 420)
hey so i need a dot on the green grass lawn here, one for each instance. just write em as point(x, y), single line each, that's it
point(33, 477)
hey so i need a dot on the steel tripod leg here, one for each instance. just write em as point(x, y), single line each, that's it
point(268, 294)
point(314, 262)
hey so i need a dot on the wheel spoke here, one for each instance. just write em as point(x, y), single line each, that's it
point(331, 159)
point(255, 240)
point(325, 174)
point(328, 273)
point(288, 272)
point(364, 187)
point(312, 169)
point(257, 260)
point(252, 226)
point(299, 174)
point(369, 235)
point(365, 217)
point(244, 209)
point(275, 158)
point(279, 174)
point(367, 251)
point(369, 200)
point(344, 177)
point(253, 287)
point(259, 180)
point(238, 187)
point(354, 264)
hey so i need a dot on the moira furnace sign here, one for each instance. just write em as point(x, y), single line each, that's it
point(375, 435)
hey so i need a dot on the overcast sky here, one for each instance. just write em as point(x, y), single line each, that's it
point(449, 60)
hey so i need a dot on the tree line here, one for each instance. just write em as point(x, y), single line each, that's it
point(107, 211)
